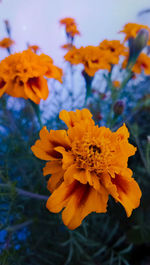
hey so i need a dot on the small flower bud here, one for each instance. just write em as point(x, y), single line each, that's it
point(136, 45)
point(118, 107)
point(98, 116)
point(116, 84)
point(141, 40)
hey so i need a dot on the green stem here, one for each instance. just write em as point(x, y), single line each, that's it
point(114, 95)
point(126, 80)
point(37, 112)
point(26, 193)
point(148, 155)
point(18, 226)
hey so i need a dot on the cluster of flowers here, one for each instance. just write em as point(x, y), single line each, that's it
point(108, 53)
point(83, 161)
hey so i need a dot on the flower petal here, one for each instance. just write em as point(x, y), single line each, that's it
point(55, 180)
point(84, 201)
point(71, 118)
point(52, 167)
point(60, 196)
point(79, 200)
point(129, 193)
point(31, 94)
point(59, 138)
point(43, 148)
point(74, 173)
point(67, 159)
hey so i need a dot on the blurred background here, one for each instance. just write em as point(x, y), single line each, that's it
point(36, 22)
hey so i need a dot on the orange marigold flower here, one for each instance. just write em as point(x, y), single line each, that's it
point(34, 48)
point(91, 57)
point(22, 75)
point(70, 26)
point(115, 47)
point(131, 30)
point(6, 43)
point(142, 64)
point(72, 30)
point(87, 164)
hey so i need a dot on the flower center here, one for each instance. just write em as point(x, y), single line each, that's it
point(95, 148)
point(92, 154)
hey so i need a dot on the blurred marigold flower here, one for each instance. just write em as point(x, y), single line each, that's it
point(72, 30)
point(115, 47)
point(116, 83)
point(87, 164)
point(22, 75)
point(131, 30)
point(142, 64)
point(70, 26)
point(91, 57)
point(6, 43)
point(119, 107)
point(34, 48)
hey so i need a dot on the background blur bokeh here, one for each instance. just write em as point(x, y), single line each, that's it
point(36, 22)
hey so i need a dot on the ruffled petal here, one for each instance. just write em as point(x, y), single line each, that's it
point(59, 138)
point(129, 193)
point(124, 189)
point(67, 159)
point(52, 167)
point(71, 118)
point(74, 173)
point(55, 181)
point(60, 197)
point(43, 148)
point(15, 88)
point(83, 201)
point(106, 181)
point(79, 200)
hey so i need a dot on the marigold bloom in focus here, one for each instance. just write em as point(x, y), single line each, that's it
point(70, 26)
point(91, 57)
point(131, 30)
point(22, 75)
point(142, 64)
point(87, 164)
point(6, 43)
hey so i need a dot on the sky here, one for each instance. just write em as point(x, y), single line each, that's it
point(37, 22)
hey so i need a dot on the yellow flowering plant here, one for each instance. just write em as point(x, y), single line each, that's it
point(74, 184)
